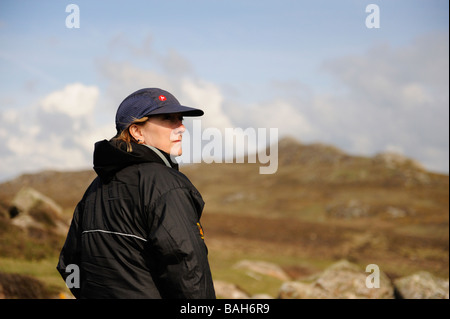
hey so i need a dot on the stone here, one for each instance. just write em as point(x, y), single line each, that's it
point(28, 198)
point(342, 280)
point(422, 285)
point(228, 290)
point(31, 209)
point(263, 268)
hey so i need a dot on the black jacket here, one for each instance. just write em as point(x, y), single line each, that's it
point(136, 232)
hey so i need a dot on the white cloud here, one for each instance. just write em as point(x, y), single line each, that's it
point(282, 115)
point(75, 100)
point(415, 94)
point(59, 132)
point(392, 96)
point(208, 97)
point(10, 116)
point(62, 126)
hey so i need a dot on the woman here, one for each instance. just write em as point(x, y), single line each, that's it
point(136, 232)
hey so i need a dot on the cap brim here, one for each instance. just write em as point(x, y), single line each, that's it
point(170, 109)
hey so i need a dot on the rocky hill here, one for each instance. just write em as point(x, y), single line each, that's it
point(321, 206)
point(66, 188)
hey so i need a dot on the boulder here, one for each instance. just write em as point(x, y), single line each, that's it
point(228, 290)
point(30, 208)
point(263, 268)
point(261, 296)
point(300, 290)
point(342, 280)
point(28, 198)
point(422, 285)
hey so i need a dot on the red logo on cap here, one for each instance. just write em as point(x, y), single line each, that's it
point(162, 98)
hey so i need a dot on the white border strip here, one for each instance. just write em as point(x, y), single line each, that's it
point(112, 232)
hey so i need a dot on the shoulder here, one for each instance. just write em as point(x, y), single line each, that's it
point(158, 183)
point(162, 177)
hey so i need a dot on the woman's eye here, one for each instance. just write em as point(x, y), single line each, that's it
point(173, 118)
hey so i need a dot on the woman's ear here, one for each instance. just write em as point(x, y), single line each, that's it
point(136, 132)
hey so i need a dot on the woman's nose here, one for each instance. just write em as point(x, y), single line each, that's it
point(180, 129)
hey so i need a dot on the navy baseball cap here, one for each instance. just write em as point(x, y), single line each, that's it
point(147, 102)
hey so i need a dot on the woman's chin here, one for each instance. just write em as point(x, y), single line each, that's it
point(176, 149)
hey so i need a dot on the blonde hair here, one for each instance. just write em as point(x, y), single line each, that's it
point(126, 136)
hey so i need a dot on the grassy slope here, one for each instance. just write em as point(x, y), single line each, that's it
point(286, 218)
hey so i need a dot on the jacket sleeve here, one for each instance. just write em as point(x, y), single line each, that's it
point(71, 251)
point(178, 254)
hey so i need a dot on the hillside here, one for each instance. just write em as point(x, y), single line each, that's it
point(321, 206)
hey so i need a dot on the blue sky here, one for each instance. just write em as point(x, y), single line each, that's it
point(310, 68)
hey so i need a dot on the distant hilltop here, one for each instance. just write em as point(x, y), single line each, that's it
point(316, 162)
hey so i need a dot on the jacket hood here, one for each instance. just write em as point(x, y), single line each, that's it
point(112, 156)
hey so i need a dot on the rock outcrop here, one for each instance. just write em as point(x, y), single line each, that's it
point(31, 209)
point(262, 268)
point(422, 285)
point(342, 280)
point(228, 290)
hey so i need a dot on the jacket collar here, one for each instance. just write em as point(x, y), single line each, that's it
point(111, 157)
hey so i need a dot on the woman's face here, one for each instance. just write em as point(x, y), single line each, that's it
point(164, 132)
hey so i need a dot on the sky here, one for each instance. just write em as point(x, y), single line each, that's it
point(312, 69)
